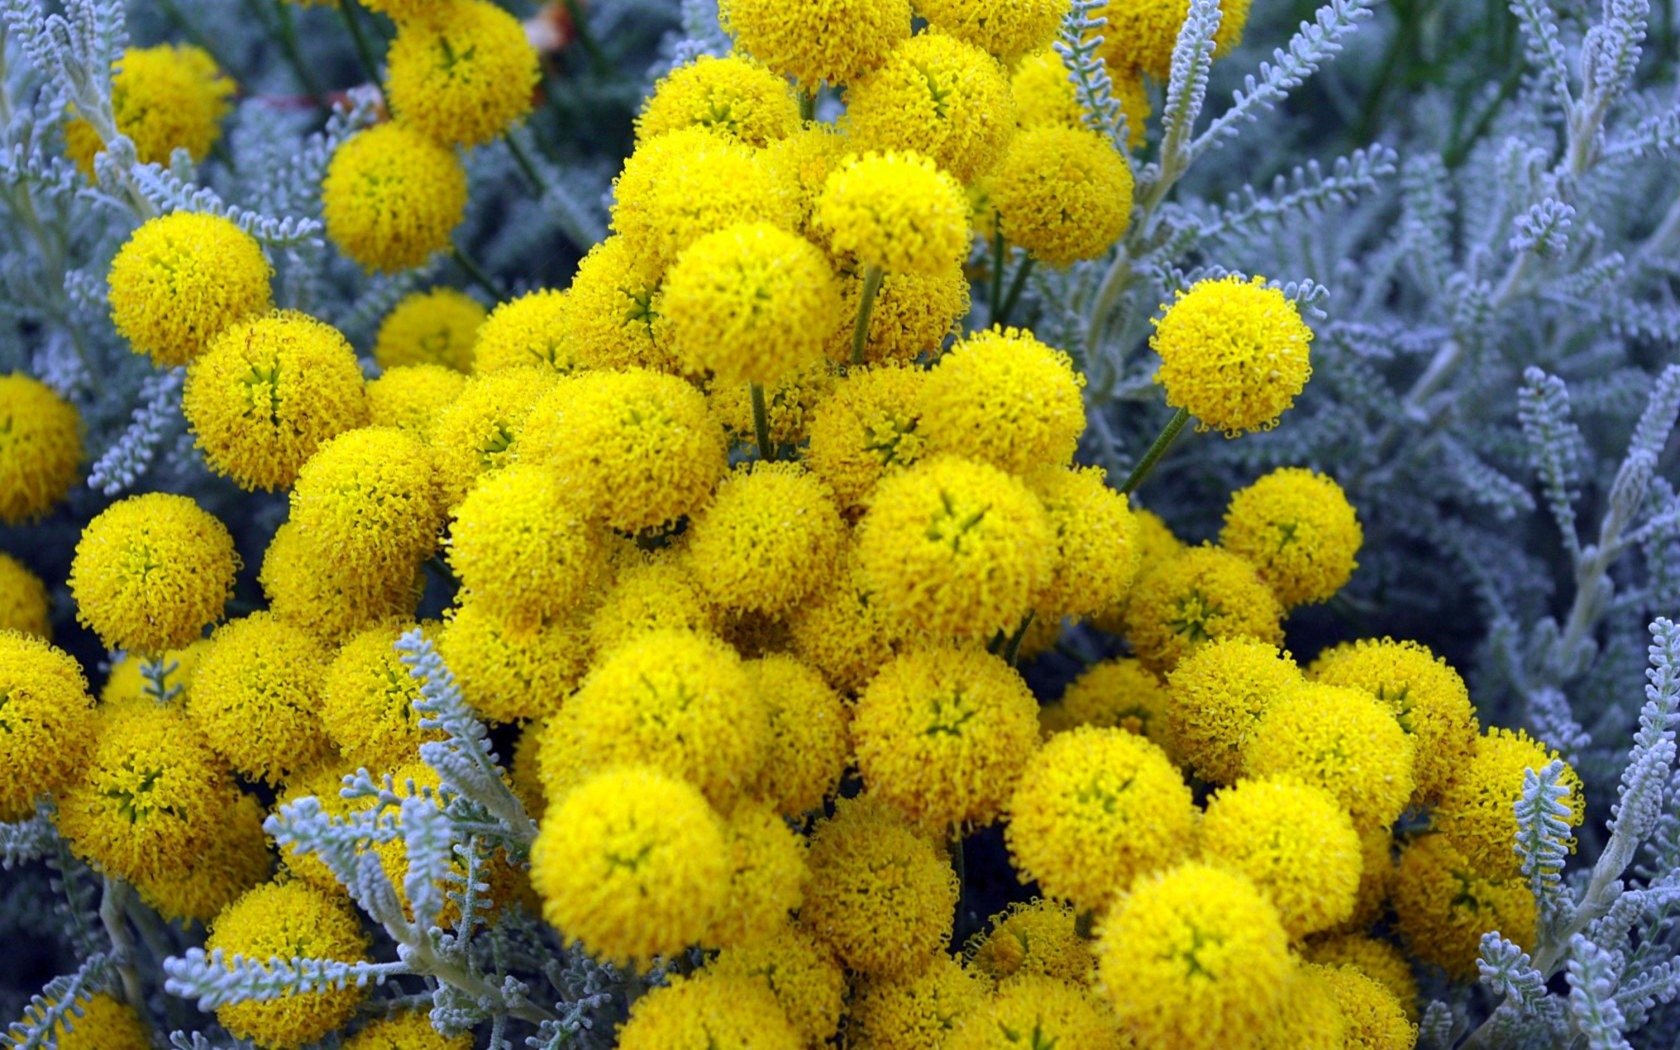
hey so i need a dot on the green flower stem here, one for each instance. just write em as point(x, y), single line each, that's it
point(475, 273)
point(807, 105)
point(866, 303)
point(525, 163)
point(113, 915)
point(294, 55)
point(1000, 255)
point(1012, 648)
point(1016, 287)
point(1156, 451)
point(761, 423)
point(364, 52)
point(597, 60)
point(178, 19)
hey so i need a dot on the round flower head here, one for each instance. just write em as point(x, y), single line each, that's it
point(632, 863)
point(1044, 95)
point(164, 98)
point(482, 430)
point(392, 197)
point(788, 403)
point(1427, 696)
point(410, 397)
point(521, 546)
point(682, 185)
point(1194, 957)
point(430, 328)
point(653, 592)
point(708, 1010)
point(835, 41)
point(1096, 542)
point(943, 734)
point(881, 895)
point(257, 697)
point(937, 96)
point(23, 600)
point(954, 548)
point(1478, 813)
point(842, 631)
point(1006, 30)
point(46, 724)
point(228, 863)
point(1444, 904)
point(367, 701)
point(1308, 1018)
point(896, 212)
point(1118, 693)
point(1062, 194)
point(268, 393)
point(1140, 34)
point(400, 11)
point(1036, 1011)
point(95, 1022)
point(809, 740)
point(1205, 594)
point(532, 330)
point(1004, 398)
point(750, 303)
point(1342, 740)
point(370, 497)
point(800, 971)
point(802, 162)
point(288, 920)
point(636, 448)
point(182, 279)
point(1219, 692)
point(770, 535)
point(913, 315)
point(508, 672)
point(613, 312)
point(464, 75)
point(732, 95)
point(1376, 1019)
point(40, 448)
point(313, 593)
point(1037, 940)
point(1379, 960)
point(917, 1008)
point(151, 572)
point(1096, 809)
point(408, 1030)
point(1298, 529)
point(766, 880)
point(1233, 353)
point(867, 426)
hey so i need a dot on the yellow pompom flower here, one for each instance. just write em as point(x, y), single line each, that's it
point(1294, 841)
point(183, 279)
point(1096, 542)
point(1004, 398)
point(23, 600)
point(613, 312)
point(164, 98)
point(653, 592)
point(256, 697)
point(1036, 939)
point(1427, 696)
point(408, 1030)
point(637, 449)
point(1376, 1019)
point(369, 498)
point(1444, 903)
point(314, 593)
point(95, 1022)
point(632, 863)
point(436, 327)
point(733, 95)
point(463, 76)
point(952, 548)
point(1140, 34)
point(914, 1009)
point(399, 11)
point(1308, 1018)
point(46, 724)
point(521, 546)
point(40, 448)
point(843, 631)
point(766, 876)
point(1006, 30)
point(151, 572)
point(1119, 693)
point(802, 973)
point(708, 1010)
point(1095, 810)
point(749, 303)
point(896, 212)
point(769, 536)
point(323, 783)
point(868, 425)
point(1376, 878)
point(913, 315)
point(834, 41)
point(937, 96)
point(1342, 740)
point(510, 672)
point(1032, 1012)
point(367, 701)
point(809, 739)
point(411, 397)
point(942, 735)
point(1044, 95)
point(788, 403)
point(1477, 814)
point(1062, 194)
point(268, 393)
point(392, 197)
point(1194, 958)
point(1219, 692)
point(802, 162)
point(1204, 594)
point(233, 859)
point(882, 894)
point(533, 330)
point(1233, 354)
point(482, 430)
point(289, 920)
point(1379, 960)
point(1298, 529)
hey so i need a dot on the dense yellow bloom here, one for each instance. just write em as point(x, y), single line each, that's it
point(532, 330)
point(436, 327)
point(1427, 696)
point(1115, 693)
point(802, 162)
point(916, 1008)
point(268, 393)
point(464, 75)
point(1032, 1012)
point(613, 311)
point(834, 41)
point(408, 1030)
point(1233, 353)
point(1342, 740)
point(895, 211)
point(1376, 1019)
point(867, 426)
point(1196, 958)
point(632, 863)
point(1044, 95)
point(1203, 595)
point(521, 546)
point(481, 431)
point(23, 600)
point(1004, 398)
point(802, 973)
point(810, 742)
point(314, 594)
point(1376, 878)
point(182, 279)
point(1219, 692)
point(769, 536)
point(367, 701)
point(289, 920)
point(1006, 30)
point(952, 548)
point(1477, 814)
point(512, 672)
point(257, 697)
point(1140, 34)
point(788, 403)
point(1378, 960)
point(706, 1011)
point(881, 894)
point(233, 858)
point(1308, 1018)
point(937, 96)
point(766, 876)
point(392, 197)
point(399, 10)
point(1036, 939)
point(40, 448)
point(1062, 194)
point(412, 397)
point(1096, 542)
point(104, 1023)
point(1298, 529)
point(913, 315)
point(733, 95)
point(46, 723)
point(1095, 810)
point(843, 632)
point(370, 500)
point(164, 98)
point(151, 572)
point(1444, 904)
point(653, 592)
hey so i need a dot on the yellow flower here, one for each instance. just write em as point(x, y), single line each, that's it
point(1140, 34)
point(1308, 1018)
point(481, 431)
point(1378, 960)
point(369, 499)
point(1004, 398)
point(916, 1008)
point(952, 548)
point(268, 393)
point(1006, 30)
point(1096, 542)
point(1203, 595)
point(463, 76)
point(708, 1010)
point(842, 631)
point(1376, 1019)
point(313, 593)
point(867, 426)
point(913, 315)
point(881, 895)
point(632, 863)
point(1044, 95)
point(411, 397)
point(164, 98)
point(23, 600)
point(810, 742)
point(1477, 814)
point(1444, 904)
point(1118, 693)
point(1219, 693)
point(256, 697)
point(897, 212)
point(46, 724)
point(937, 96)
point(40, 448)
point(613, 312)
point(733, 95)
point(367, 701)
point(512, 672)
point(1034, 1012)
point(408, 1030)
point(1298, 529)
point(103, 1023)
point(653, 592)
point(232, 860)
point(788, 403)
point(1156, 545)
point(392, 197)
point(802, 162)
point(323, 783)
point(1195, 958)
point(803, 974)
point(289, 920)
point(769, 536)
point(1062, 194)
point(1342, 740)
point(1036, 939)
point(532, 330)
point(436, 327)
point(1095, 810)
point(522, 775)
point(834, 40)
point(183, 279)
point(151, 572)
point(399, 11)
point(1233, 353)
point(766, 876)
